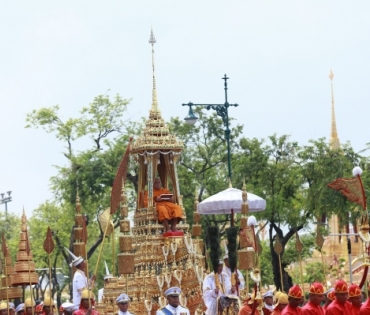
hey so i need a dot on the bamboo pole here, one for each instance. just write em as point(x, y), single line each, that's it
point(101, 246)
point(29, 278)
point(113, 253)
point(281, 275)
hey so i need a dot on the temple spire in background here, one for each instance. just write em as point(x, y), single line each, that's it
point(334, 140)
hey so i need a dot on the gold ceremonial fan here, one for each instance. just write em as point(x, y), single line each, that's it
point(104, 221)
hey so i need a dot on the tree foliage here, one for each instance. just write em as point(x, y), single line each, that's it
point(291, 177)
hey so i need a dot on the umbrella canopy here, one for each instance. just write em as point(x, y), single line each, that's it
point(231, 198)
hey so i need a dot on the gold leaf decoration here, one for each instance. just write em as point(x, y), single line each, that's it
point(319, 238)
point(49, 243)
point(278, 248)
point(298, 244)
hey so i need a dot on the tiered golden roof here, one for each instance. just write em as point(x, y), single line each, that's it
point(24, 267)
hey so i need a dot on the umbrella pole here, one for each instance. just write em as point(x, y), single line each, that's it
point(232, 217)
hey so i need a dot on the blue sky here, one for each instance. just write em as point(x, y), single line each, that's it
point(278, 55)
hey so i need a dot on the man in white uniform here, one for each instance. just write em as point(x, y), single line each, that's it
point(80, 281)
point(211, 292)
point(240, 281)
point(68, 308)
point(106, 281)
point(173, 307)
point(123, 303)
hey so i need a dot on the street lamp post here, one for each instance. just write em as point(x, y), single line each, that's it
point(222, 111)
point(6, 200)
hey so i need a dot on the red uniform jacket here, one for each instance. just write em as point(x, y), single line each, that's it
point(336, 308)
point(312, 309)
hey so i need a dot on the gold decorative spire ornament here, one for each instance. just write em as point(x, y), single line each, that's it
point(334, 140)
point(24, 267)
point(155, 108)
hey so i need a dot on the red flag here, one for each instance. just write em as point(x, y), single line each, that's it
point(351, 188)
point(120, 176)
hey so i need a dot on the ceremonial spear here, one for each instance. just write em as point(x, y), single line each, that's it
point(5, 253)
point(28, 251)
point(49, 247)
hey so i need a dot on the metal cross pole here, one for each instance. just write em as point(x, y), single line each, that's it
point(6, 200)
point(222, 111)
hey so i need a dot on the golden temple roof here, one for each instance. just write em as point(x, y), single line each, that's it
point(156, 135)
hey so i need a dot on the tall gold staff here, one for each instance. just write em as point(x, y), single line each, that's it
point(299, 249)
point(278, 248)
point(84, 239)
point(49, 247)
point(6, 254)
point(319, 243)
point(116, 194)
point(28, 251)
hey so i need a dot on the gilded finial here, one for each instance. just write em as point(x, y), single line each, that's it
point(152, 41)
point(331, 75)
point(230, 184)
point(334, 140)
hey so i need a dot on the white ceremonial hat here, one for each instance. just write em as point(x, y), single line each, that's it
point(11, 305)
point(173, 291)
point(268, 294)
point(107, 275)
point(75, 260)
point(19, 308)
point(68, 306)
point(220, 262)
point(226, 256)
point(123, 298)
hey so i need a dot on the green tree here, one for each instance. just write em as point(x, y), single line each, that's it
point(91, 171)
point(293, 180)
point(272, 172)
point(203, 165)
point(314, 272)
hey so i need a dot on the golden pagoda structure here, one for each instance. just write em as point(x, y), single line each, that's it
point(151, 260)
point(8, 291)
point(24, 268)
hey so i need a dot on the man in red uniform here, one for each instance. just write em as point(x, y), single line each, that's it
point(48, 307)
point(355, 298)
point(282, 302)
point(365, 308)
point(316, 296)
point(295, 296)
point(340, 305)
point(330, 297)
point(247, 307)
point(86, 304)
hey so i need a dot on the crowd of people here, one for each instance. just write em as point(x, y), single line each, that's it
point(339, 300)
point(86, 306)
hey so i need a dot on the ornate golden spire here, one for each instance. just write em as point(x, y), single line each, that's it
point(334, 140)
point(156, 135)
point(152, 41)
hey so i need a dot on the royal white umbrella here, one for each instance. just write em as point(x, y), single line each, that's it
point(230, 201)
